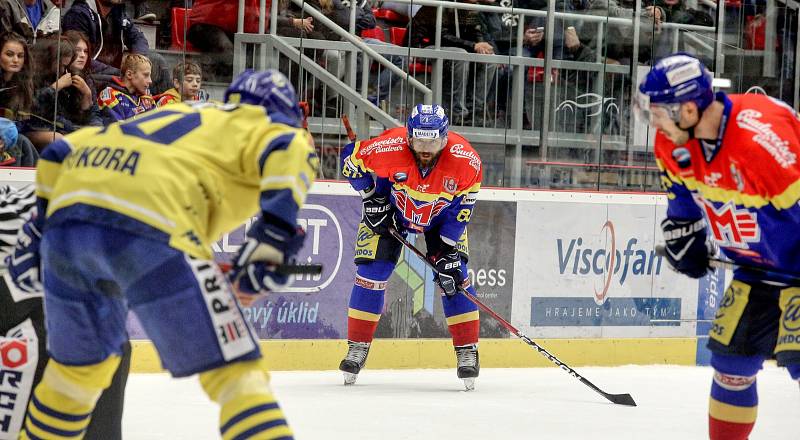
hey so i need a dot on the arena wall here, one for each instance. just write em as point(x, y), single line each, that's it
point(542, 259)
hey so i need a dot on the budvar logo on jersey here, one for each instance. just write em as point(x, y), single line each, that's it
point(732, 227)
point(322, 227)
point(419, 213)
point(457, 150)
point(383, 146)
point(765, 136)
point(577, 256)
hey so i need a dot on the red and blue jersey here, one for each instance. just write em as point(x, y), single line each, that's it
point(441, 198)
point(117, 103)
point(747, 185)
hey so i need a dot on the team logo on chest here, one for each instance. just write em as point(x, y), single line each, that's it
point(450, 185)
point(732, 227)
point(420, 213)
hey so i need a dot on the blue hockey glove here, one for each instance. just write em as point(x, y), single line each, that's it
point(686, 246)
point(379, 214)
point(24, 262)
point(448, 265)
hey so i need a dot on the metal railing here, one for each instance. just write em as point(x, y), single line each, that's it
point(540, 116)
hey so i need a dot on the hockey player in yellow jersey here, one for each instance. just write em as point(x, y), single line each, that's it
point(129, 213)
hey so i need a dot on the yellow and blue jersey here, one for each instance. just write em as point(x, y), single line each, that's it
point(184, 174)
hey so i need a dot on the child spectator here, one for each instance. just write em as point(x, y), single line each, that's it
point(70, 100)
point(187, 78)
point(15, 150)
point(127, 96)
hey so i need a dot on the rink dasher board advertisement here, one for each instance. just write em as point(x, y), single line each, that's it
point(524, 246)
point(566, 287)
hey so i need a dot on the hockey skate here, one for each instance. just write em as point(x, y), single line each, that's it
point(352, 364)
point(468, 365)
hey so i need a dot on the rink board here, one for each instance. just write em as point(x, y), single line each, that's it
point(575, 270)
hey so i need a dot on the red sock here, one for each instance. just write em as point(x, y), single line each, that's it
point(465, 333)
point(360, 330)
point(722, 430)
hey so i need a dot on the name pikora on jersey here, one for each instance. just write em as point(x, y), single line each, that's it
point(444, 197)
point(747, 188)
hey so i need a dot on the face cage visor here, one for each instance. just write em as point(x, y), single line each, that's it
point(653, 114)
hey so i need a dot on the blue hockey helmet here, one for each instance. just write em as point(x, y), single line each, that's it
point(8, 133)
point(269, 89)
point(427, 122)
point(672, 81)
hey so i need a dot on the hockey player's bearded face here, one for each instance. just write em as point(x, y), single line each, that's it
point(426, 151)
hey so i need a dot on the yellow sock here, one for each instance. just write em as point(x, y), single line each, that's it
point(62, 403)
point(249, 411)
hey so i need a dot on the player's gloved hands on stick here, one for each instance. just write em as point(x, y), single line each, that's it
point(268, 245)
point(379, 214)
point(24, 262)
point(448, 265)
point(686, 246)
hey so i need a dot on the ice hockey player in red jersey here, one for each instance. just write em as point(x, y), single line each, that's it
point(417, 179)
point(729, 166)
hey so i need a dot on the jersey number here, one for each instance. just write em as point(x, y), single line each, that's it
point(168, 133)
point(463, 215)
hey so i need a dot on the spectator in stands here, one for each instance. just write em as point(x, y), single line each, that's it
point(676, 11)
point(470, 39)
point(70, 99)
point(187, 78)
point(16, 85)
point(128, 95)
point(29, 18)
point(211, 25)
point(111, 33)
point(15, 150)
point(618, 39)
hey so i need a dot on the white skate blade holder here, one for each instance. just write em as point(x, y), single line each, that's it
point(469, 383)
point(349, 378)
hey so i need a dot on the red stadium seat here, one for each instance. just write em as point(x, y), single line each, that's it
point(376, 33)
point(396, 36)
point(178, 25)
point(390, 15)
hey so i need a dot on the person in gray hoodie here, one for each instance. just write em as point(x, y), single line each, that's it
point(112, 32)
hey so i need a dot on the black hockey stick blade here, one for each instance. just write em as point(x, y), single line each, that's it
point(619, 399)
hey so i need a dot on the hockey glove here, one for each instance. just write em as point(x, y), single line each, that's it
point(686, 246)
point(448, 265)
point(267, 246)
point(24, 262)
point(379, 214)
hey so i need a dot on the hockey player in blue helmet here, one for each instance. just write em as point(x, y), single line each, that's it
point(269, 89)
point(427, 133)
point(729, 166)
point(673, 96)
point(128, 215)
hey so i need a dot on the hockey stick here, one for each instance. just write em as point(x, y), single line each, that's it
point(717, 263)
point(285, 269)
point(619, 399)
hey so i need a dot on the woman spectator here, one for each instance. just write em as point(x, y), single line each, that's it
point(16, 87)
point(70, 87)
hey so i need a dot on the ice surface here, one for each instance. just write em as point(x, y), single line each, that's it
point(539, 403)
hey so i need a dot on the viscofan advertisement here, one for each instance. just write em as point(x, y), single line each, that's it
point(555, 264)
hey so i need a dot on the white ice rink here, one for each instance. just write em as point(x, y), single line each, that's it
point(542, 403)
